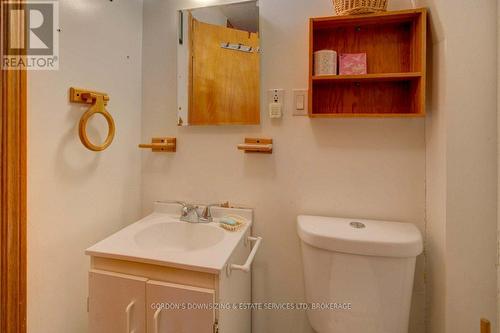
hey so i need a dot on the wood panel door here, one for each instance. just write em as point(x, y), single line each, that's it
point(117, 303)
point(224, 84)
point(175, 318)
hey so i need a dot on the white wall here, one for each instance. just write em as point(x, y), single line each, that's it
point(77, 197)
point(462, 166)
point(472, 167)
point(371, 168)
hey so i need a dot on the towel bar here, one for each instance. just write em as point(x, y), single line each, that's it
point(248, 264)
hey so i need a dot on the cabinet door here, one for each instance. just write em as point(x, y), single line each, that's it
point(177, 316)
point(116, 303)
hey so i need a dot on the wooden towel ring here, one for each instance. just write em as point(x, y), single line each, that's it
point(99, 102)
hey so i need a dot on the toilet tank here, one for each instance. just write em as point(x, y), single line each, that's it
point(358, 273)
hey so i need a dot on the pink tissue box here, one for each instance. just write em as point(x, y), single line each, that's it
point(352, 64)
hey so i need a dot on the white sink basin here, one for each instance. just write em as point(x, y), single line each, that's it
point(179, 236)
point(162, 239)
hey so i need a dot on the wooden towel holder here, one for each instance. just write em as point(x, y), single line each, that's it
point(98, 102)
point(161, 145)
point(485, 326)
point(257, 145)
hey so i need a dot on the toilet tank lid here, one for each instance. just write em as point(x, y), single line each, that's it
point(362, 237)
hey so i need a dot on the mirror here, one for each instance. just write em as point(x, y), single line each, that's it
point(218, 65)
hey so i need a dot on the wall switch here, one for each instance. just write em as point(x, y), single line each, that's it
point(276, 100)
point(300, 102)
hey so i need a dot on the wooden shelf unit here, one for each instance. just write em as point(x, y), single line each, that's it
point(395, 45)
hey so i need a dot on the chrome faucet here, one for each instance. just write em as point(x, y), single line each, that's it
point(190, 214)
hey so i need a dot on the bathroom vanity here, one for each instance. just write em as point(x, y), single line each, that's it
point(161, 274)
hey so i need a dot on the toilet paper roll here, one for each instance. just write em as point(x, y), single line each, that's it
point(325, 62)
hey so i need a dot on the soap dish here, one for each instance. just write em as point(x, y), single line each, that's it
point(231, 228)
point(240, 221)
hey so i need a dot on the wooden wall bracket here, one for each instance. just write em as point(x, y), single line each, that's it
point(82, 96)
point(485, 326)
point(161, 145)
point(257, 145)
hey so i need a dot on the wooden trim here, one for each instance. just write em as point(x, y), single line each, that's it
point(13, 193)
point(191, 60)
point(311, 67)
point(396, 15)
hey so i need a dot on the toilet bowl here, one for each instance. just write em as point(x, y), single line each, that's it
point(358, 273)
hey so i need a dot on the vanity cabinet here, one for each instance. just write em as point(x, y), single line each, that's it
point(196, 282)
point(125, 303)
point(124, 297)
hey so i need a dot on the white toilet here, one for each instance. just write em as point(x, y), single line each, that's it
point(358, 273)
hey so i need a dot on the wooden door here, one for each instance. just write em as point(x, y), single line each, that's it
point(175, 318)
point(224, 84)
point(116, 303)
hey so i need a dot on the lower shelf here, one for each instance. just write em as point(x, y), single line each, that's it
point(367, 115)
point(399, 98)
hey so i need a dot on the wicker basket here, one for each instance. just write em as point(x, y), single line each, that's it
point(355, 7)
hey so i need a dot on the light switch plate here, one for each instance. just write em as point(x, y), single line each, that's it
point(300, 102)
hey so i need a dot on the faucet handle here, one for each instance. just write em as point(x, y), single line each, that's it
point(188, 209)
point(207, 214)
